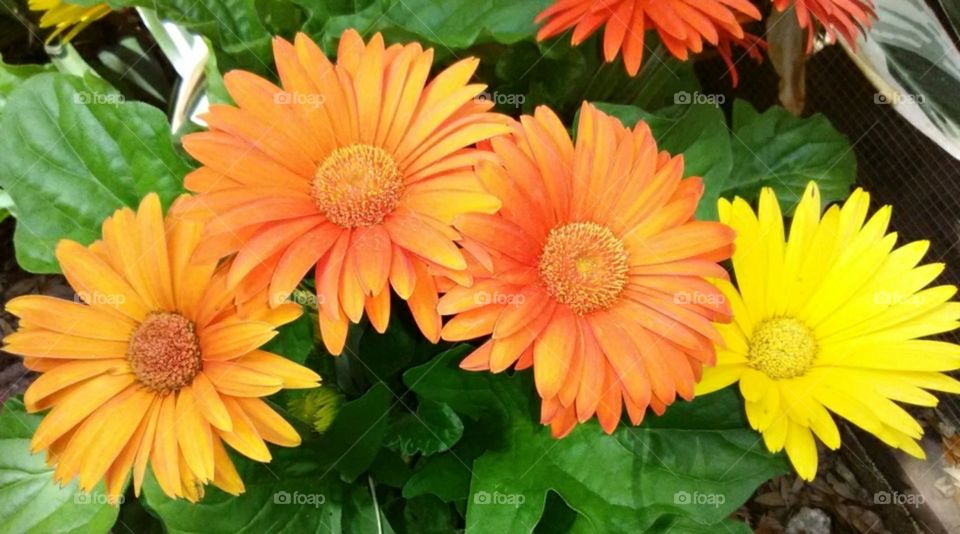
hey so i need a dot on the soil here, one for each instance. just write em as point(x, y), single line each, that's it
point(14, 377)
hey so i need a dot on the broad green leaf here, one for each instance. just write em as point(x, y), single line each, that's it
point(384, 357)
point(562, 76)
point(30, 501)
point(241, 30)
point(294, 493)
point(776, 149)
point(459, 24)
point(75, 151)
point(433, 428)
point(11, 76)
point(6, 204)
point(390, 469)
point(428, 515)
point(294, 341)
point(216, 90)
point(315, 487)
point(699, 132)
point(352, 442)
point(449, 26)
point(445, 476)
point(360, 514)
point(699, 461)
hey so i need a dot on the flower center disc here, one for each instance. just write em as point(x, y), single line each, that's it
point(782, 347)
point(164, 352)
point(584, 266)
point(357, 185)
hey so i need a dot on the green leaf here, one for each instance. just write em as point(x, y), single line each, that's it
point(434, 428)
point(626, 482)
point(11, 76)
point(384, 357)
point(428, 515)
point(443, 476)
point(459, 24)
point(294, 493)
point(699, 132)
point(75, 151)
point(390, 469)
point(562, 76)
point(776, 149)
point(449, 26)
point(30, 501)
point(353, 440)
point(216, 90)
point(360, 514)
point(294, 341)
point(241, 30)
point(6, 204)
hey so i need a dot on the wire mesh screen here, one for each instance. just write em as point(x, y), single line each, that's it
point(896, 163)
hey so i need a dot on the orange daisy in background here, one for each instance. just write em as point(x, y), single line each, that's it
point(156, 367)
point(356, 170)
point(683, 25)
point(839, 18)
point(596, 272)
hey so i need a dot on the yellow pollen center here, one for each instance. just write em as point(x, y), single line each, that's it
point(357, 185)
point(164, 352)
point(584, 266)
point(782, 347)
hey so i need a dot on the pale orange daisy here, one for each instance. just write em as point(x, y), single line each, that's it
point(596, 270)
point(355, 170)
point(682, 25)
point(156, 366)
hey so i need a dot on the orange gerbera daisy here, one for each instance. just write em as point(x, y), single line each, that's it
point(356, 168)
point(157, 367)
point(839, 18)
point(683, 25)
point(596, 270)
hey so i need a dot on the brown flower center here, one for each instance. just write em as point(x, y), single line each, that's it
point(584, 265)
point(164, 352)
point(357, 185)
point(782, 347)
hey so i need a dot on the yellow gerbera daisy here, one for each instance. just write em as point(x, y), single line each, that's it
point(157, 367)
point(65, 17)
point(830, 320)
